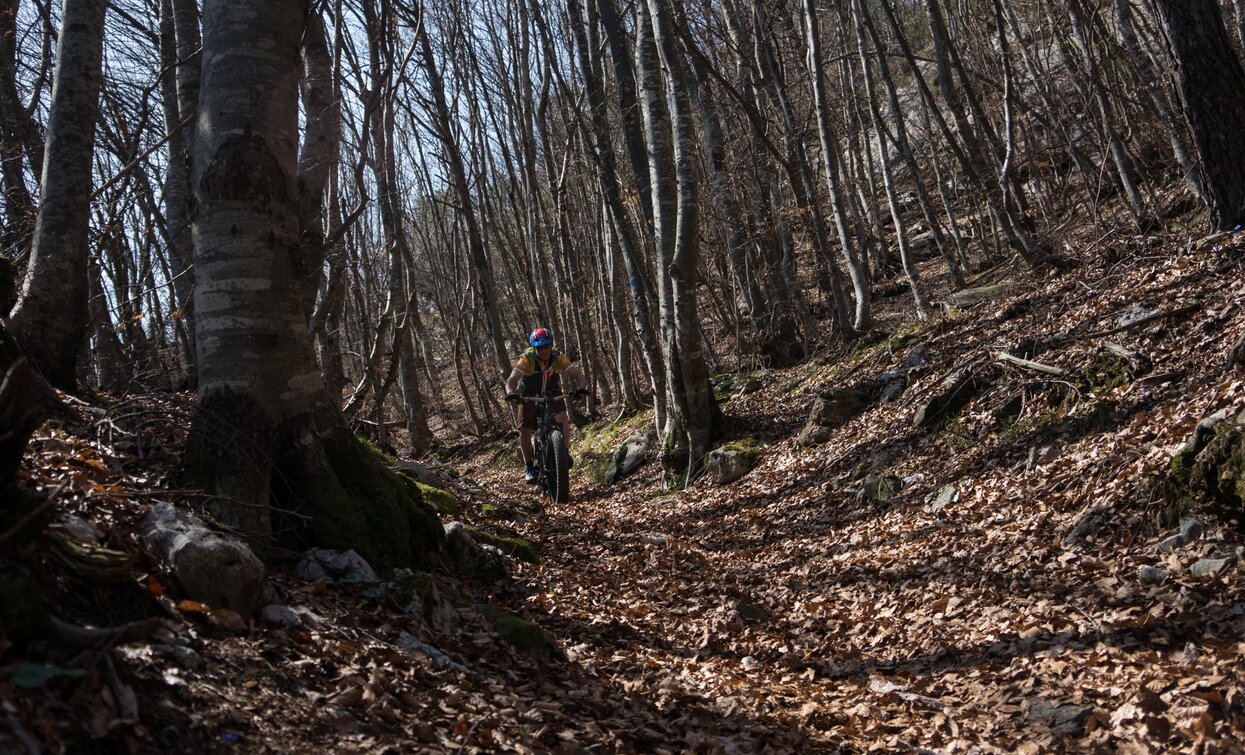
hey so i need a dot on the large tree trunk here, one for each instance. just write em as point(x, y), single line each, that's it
point(692, 413)
point(266, 441)
point(51, 315)
point(1211, 85)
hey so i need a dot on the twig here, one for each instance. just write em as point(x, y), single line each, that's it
point(20, 734)
point(1047, 369)
point(1144, 321)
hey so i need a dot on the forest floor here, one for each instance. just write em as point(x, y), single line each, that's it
point(806, 607)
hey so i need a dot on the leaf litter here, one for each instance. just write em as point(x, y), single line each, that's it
point(788, 611)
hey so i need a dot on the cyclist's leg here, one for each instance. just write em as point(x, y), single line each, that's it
point(525, 445)
point(565, 421)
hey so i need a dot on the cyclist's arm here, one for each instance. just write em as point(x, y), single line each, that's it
point(578, 376)
point(512, 382)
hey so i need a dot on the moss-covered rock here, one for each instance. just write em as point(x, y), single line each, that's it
point(731, 461)
point(596, 444)
point(441, 501)
point(1218, 474)
point(515, 547)
point(423, 595)
point(524, 636)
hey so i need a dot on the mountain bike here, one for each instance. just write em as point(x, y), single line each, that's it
point(553, 461)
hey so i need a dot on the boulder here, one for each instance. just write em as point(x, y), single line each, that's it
point(627, 458)
point(216, 569)
point(947, 495)
point(1172, 543)
point(407, 642)
point(834, 408)
point(280, 616)
point(336, 566)
point(440, 500)
point(881, 487)
point(730, 462)
point(1212, 567)
point(950, 396)
point(420, 472)
point(1152, 575)
point(421, 594)
point(464, 555)
point(1192, 529)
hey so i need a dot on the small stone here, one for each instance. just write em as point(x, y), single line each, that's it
point(749, 663)
point(1211, 567)
point(750, 612)
point(1169, 544)
point(947, 495)
point(1086, 526)
point(79, 529)
point(1192, 529)
point(1152, 575)
point(281, 616)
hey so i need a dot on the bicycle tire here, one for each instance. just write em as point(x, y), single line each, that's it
point(557, 468)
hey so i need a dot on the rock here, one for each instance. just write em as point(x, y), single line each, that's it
point(1192, 529)
point(421, 594)
point(1152, 575)
point(337, 566)
point(441, 501)
point(749, 385)
point(982, 293)
point(726, 464)
point(407, 642)
point(78, 528)
point(1063, 720)
point(882, 487)
point(1133, 313)
point(627, 458)
point(1086, 526)
point(1041, 456)
point(524, 636)
point(915, 357)
point(1212, 567)
point(751, 613)
point(837, 406)
point(950, 396)
point(471, 559)
point(1174, 542)
point(281, 616)
point(420, 472)
point(947, 495)
point(212, 568)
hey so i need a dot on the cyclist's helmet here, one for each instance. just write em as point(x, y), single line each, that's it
point(540, 337)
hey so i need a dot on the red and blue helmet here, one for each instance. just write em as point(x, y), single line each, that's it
point(540, 337)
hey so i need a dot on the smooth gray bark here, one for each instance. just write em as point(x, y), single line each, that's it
point(50, 318)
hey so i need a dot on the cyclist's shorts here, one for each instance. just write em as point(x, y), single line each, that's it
point(531, 410)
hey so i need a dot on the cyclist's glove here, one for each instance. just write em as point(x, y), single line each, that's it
point(514, 398)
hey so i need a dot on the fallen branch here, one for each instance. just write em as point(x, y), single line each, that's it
point(93, 637)
point(1145, 320)
point(1047, 369)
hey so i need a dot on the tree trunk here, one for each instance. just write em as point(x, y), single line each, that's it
point(1211, 85)
point(50, 319)
point(266, 441)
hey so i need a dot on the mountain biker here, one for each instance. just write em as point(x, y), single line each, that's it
point(537, 372)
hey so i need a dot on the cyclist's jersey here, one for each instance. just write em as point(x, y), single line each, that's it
point(541, 377)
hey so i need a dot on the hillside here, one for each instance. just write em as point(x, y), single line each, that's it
point(978, 583)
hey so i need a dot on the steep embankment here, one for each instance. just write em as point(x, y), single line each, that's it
point(975, 580)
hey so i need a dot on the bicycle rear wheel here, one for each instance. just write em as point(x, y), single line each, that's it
point(557, 463)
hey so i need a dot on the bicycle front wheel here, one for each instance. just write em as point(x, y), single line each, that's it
point(557, 468)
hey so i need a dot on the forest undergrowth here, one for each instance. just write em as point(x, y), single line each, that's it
point(986, 595)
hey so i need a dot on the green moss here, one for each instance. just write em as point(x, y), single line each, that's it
point(1107, 372)
point(1181, 467)
point(524, 636)
point(441, 501)
point(515, 547)
point(370, 445)
point(423, 594)
point(746, 447)
point(594, 445)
